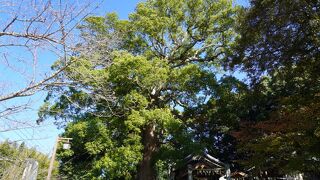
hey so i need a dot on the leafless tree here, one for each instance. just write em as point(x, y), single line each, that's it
point(33, 34)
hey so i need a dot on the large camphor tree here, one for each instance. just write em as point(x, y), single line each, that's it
point(138, 86)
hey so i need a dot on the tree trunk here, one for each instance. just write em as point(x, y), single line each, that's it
point(149, 140)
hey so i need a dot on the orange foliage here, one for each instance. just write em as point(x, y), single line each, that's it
point(285, 121)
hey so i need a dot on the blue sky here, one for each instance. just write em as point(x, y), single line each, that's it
point(43, 137)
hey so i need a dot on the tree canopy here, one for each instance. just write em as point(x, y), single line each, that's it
point(148, 91)
point(139, 110)
point(279, 49)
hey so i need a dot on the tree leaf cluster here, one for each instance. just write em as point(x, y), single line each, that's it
point(165, 88)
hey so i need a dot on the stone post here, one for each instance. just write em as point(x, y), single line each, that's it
point(31, 170)
point(189, 172)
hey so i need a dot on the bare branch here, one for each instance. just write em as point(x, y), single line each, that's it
point(34, 34)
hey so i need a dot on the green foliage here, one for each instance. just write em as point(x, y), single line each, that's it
point(128, 73)
point(13, 157)
point(97, 151)
point(153, 97)
point(279, 49)
point(141, 108)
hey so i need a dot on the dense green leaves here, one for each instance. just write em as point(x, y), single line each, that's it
point(131, 114)
point(279, 49)
point(152, 90)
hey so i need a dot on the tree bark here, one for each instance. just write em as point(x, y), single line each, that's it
point(149, 140)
